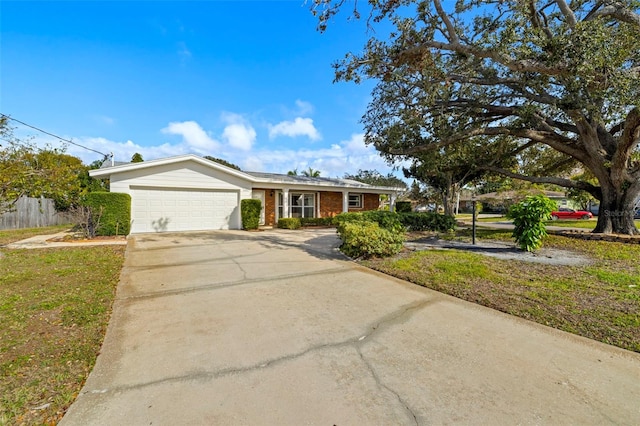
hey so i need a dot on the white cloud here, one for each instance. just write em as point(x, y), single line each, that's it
point(346, 156)
point(238, 133)
point(304, 107)
point(193, 136)
point(183, 52)
point(299, 127)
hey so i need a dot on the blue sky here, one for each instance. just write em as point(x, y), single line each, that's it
point(247, 81)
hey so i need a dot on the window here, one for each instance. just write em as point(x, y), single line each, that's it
point(355, 201)
point(300, 204)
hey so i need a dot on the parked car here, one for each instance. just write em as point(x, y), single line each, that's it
point(637, 214)
point(566, 213)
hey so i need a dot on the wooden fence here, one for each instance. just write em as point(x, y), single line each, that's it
point(32, 213)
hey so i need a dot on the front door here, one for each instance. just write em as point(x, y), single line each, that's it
point(259, 195)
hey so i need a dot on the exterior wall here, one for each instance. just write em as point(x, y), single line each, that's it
point(269, 206)
point(371, 202)
point(330, 204)
point(182, 175)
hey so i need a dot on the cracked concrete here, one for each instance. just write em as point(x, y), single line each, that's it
point(277, 327)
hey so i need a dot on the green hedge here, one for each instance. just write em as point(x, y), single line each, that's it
point(367, 239)
point(116, 211)
point(385, 219)
point(430, 221)
point(250, 211)
point(316, 221)
point(289, 223)
point(403, 206)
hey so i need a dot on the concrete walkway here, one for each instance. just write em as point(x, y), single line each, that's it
point(48, 241)
point(276, 328)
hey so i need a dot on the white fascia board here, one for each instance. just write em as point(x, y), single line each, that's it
point(108, 171)
point(324, 186)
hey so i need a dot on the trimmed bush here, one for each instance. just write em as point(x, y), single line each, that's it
point(250, 211)
point(116, 211)
point(367, 239)
point(347, 217)
point(403, 206)
point(428, 221)
point(289, 223)
point(316, 221)
point(528, 220)
point(386, 219)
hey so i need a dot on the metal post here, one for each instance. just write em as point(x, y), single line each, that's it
point(473, 226)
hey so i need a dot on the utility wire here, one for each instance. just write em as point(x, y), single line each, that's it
point(55, 136)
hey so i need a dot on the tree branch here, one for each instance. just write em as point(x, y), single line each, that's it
point(568, 13)
point(618, 11)
point(628, 141)
point(565, 183)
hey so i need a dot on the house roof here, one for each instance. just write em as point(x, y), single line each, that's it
point(256, 178)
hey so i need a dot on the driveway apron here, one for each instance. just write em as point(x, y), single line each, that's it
point(277, 328)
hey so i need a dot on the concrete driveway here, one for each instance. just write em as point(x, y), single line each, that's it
point(276, 328)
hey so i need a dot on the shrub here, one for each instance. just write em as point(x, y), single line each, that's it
point(316, 221)
point(367, 239)
point(528, 220)
point(347, 217)
point(429, 221)
point(386, 219)
point(289, 223)
point(250, 211)
point(115, 208)
point(403, 206)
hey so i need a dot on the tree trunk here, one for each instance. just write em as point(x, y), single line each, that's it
point(449, 197)
point(616, 212)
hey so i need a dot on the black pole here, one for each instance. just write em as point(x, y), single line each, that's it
point(473, 227)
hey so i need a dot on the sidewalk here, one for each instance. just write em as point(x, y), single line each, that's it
point(48, 241)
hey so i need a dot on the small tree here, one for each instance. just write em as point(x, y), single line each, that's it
point(528, 220)
point(87, 218)
point(137, 158)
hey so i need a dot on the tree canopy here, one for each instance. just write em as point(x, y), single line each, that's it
point(28, 171)
point(553, 85)
point(374, 177)
point(223, 162)
point(310, 172)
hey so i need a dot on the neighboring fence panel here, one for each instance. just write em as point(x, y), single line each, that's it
point(32, 213)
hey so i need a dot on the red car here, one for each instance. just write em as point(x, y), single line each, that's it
point(565, 213)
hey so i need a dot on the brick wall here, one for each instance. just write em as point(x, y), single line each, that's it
point(330, 204)
point(371, 202)
point(269, 206)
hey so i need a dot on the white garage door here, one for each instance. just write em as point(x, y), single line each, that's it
point(167, 210)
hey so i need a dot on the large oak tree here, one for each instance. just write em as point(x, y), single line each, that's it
point(558, 80)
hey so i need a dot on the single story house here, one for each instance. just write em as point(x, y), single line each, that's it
point(190, 193)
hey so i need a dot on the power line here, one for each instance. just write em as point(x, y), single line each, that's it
point(55, 136)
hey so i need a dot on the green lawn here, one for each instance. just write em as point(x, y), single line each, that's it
point(600, 301)
point(54, 308)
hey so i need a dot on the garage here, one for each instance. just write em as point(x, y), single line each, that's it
point(182, 209)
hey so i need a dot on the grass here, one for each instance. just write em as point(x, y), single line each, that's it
point(600, 301)
point(11, 235)
point(54, 308)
